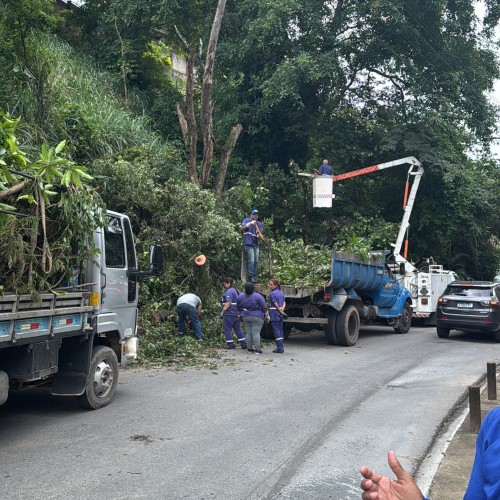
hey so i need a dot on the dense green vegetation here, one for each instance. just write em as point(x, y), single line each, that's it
point(357, 82)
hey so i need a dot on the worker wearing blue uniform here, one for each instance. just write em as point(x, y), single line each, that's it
point(324, 169)
point(252, 229)
point(230, 319)
point(252, 308)
point(277, 305)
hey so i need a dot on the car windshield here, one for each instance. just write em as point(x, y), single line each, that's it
point(469, 292)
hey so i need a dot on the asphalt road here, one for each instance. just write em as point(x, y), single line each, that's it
point(292, 426)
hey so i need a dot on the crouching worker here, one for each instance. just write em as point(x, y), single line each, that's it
point(229, 314)
point(277, 306)
point(189, 307)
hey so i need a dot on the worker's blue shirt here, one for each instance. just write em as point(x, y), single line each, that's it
point(230, 295)
point(250, 236)
point(278, 297)
point(251, 305)
point(325, 169)
point(484, 482)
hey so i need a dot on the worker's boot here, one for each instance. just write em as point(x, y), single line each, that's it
point(280, 348)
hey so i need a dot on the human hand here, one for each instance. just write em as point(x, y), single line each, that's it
point(378, 487)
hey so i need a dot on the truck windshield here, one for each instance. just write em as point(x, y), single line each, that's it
point(115, 250)
point(469, 292)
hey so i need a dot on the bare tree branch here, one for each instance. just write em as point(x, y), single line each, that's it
point(224, 157)
point(12, 191)
point(206, 95)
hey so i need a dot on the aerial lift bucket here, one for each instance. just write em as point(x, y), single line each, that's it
point(322, 191)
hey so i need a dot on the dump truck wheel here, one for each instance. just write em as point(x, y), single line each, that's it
point(443, 333)
point(102, 379)
point(267, 331)
point(347, 324)
point(286, 330)
point(404, 323)
point(330, 328)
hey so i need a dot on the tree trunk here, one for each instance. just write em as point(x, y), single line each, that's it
point(206, 95)
point(183, 123)
point(192, 129)
point(224, 157)
point(122, 64)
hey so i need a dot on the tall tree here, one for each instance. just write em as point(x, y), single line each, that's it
point(299, 65)
point(187, 112)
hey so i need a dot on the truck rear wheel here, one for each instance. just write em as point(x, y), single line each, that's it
point(267, 331)
point(347, 326)
point(102, 378)
point(330, 328)
point(404, 322)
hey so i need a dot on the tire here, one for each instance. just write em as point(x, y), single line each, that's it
point(287, 328)
point(330, 328)
point(404, 323)
point(102, 379)
point(347, 326)
point(497, 336)
point(267, 331)
point(443, 333)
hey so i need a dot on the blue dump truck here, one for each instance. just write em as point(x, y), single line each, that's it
point(360, 291)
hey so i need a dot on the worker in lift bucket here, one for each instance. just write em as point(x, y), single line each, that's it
point(323, 169)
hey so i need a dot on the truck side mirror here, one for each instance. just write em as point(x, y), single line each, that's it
point(156, 259)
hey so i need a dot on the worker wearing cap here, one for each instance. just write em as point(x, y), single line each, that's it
point(252, 229)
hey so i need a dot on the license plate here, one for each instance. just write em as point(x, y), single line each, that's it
point(465, 304)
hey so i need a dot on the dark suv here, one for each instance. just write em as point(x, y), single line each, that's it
point(469, 306)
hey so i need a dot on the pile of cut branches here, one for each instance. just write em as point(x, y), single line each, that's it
point(298, 264)
point(47, 214)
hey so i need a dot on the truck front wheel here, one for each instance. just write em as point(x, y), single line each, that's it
point(330, 328)
point(404, 322)
point(347, 324)
point(102, 379)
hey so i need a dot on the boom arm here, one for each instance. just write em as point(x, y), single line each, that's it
point(416, 170)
